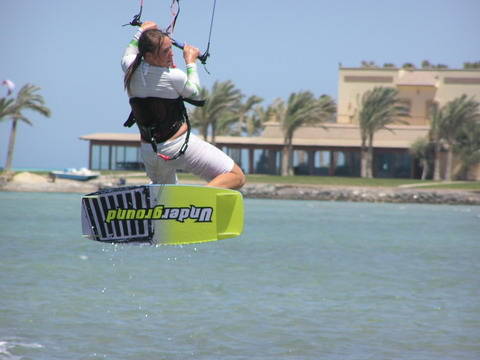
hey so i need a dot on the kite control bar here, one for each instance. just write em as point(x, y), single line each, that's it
point(203, 58)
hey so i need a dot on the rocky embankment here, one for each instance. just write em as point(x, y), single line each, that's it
point(363, 194)
point(37, 183)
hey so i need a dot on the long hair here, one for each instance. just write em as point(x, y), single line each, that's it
point(150, 41)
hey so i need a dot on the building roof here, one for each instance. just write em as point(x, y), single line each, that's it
point(111, 137)
point(417, 78)
point(330, 135)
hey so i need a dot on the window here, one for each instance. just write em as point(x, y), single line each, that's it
point(431, 107)
point(126, 158)
point(101, 157)
point(407, 103)
point(104, 157)
point(392, 164)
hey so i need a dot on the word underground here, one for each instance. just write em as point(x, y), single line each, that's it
point(159, 212)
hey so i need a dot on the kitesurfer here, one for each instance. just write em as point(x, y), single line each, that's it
point(156, 90)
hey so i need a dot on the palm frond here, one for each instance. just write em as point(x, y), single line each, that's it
point(224, 98)
point(28, 99)
point(380, 108)
point(455, 114)
point(303, 108)
point(6, 108)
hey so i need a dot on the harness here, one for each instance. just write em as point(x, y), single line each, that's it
point(158, 119)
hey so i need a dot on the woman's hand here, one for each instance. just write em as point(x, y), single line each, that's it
point(190, 54)
point(147, 25)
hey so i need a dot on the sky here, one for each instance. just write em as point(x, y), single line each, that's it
point(269, 48)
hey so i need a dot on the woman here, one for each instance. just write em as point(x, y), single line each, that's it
point(156, 90)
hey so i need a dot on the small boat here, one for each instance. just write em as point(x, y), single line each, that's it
point(82, 174)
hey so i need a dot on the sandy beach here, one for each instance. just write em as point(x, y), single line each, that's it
point(30, 182)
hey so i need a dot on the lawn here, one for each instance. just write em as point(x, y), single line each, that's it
point(352, 181)
point(334, 181)
point(320, 180)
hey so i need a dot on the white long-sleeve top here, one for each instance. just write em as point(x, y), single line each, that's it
point(156, 81)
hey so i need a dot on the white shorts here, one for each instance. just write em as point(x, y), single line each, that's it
point(201, 158)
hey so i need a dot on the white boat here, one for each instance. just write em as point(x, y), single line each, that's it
point(82, 174)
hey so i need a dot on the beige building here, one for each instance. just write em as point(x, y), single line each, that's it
point(332, 149)
point(420, 88)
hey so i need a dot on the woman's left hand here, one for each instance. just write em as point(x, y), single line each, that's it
point(190, 54)
point(147, 25)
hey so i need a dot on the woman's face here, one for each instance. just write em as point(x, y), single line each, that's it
point(164, 56)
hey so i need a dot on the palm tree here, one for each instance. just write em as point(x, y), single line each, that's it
point(223, 99)
point(301, 108)
point(456, 114)
point(6, 108)
point(435, 138)
point(422, 149)
point(240, 119)
point(254, 123)
point(27, 99)
point(248, 115)
point(199, 116)
point(227, 124)
point(380, 107)
point(468, 146)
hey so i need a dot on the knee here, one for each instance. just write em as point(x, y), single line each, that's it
point(241, 179)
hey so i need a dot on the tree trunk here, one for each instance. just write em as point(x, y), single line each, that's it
point(290, 161)
point(425, 169)
point(214, 129)
point(205, 132)
point(363, 159)
point(436, 164)
point(370, 157)
point(11, 146)
point(287, 158)
point(449, 165)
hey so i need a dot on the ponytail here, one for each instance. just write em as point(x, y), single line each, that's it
point(150, 41)
point(131, 69)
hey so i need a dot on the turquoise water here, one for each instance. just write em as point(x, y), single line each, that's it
point(307, 280)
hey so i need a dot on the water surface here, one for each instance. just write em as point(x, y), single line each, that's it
point(306, 280)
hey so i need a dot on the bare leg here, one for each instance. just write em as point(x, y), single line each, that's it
point(234, 179)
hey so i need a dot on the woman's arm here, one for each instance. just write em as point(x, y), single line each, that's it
point(189, 86)
point(132, 49)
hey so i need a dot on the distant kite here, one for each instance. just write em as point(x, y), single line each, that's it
point(10, 86)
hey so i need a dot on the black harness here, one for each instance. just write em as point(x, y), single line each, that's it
point(159, 119)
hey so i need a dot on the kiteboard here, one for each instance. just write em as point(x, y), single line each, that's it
point(162, 214)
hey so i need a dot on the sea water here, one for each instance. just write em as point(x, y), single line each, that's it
point(306, 280)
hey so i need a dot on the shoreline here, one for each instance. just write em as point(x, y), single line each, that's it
point(361, 194)
point(28, 182)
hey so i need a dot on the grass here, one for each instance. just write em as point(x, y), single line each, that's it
point(328, 180)
point(319, 180)
point(350, 181)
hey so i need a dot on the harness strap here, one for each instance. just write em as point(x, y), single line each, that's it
point(184, 147)
point(148, 131)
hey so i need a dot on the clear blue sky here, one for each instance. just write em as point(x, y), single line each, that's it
point(270, 48)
